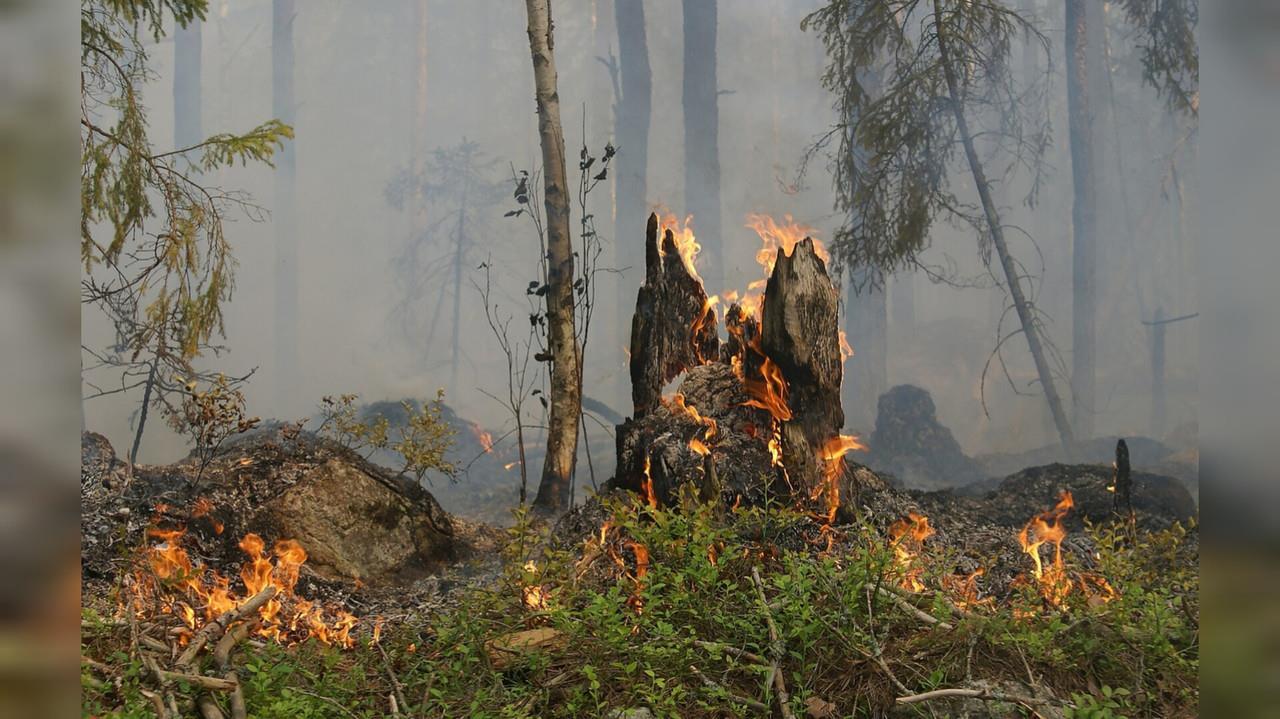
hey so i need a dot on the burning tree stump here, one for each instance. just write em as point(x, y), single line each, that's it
point(757, 416)
point(799, 334)
point(674, 326)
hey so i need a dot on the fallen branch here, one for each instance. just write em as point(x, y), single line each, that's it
point(982, 694)
point(913, 610)
point(199, 680)
point(711, 684)
point(222, 660)
point(398, 694)
point(739, 653)
point(775, 649)
point(209, 708)
point(218, 626)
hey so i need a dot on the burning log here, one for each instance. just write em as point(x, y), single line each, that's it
point(674, 327)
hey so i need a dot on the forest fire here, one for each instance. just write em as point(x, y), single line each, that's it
point(1046, 527)
point(169, 582)
point(906, 537)
point(1053, 581)
point(686, 244)
point(832, 456)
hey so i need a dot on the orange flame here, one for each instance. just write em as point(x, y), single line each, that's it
point(533, 596)
point(483, 437)
point(832, 455)
point(846, 349)
point(784, 237)
point(1046, 527)
point(649, 495)
point(907, 536)
point(176, 585)
point(686, 244)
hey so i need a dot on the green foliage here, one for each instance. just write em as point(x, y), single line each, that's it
point(155, 259)
point(1106, 706)
point(633, 638)
point(1165, 35)
point(896, 137)
point(421, 440)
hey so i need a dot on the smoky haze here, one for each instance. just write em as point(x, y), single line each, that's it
point(356, 78)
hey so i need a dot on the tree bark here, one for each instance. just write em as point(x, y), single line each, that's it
point(418, 142)
point(284, 213)
point(799, 333)
point(632, 137)
point(1084, 220)
point(1029, 328)
point(566, 388)
point(866, 328)
point(701, 129)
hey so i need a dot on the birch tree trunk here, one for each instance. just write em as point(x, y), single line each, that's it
point(1084, 220)
point(1029, 327)
point(566, 390)
point(284, 212)
point(701, 136)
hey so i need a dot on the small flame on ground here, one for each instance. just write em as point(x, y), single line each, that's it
point(906, 537)
point(1054, 582)
point(832, 455)
point(533, 596)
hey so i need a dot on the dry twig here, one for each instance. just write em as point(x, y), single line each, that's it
point(775, 649)
point(752, 703)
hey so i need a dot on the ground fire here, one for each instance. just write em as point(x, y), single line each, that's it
point(168, 582)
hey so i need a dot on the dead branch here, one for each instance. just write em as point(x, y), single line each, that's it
point(982, 694)
point(204, 682)
point(775, 649)
point(218, 626)
point(398, 694)
point(711, 684)
point(739, 653)
point(209, 708)
point(913, 610)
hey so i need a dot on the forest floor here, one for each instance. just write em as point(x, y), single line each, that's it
point(690, 611)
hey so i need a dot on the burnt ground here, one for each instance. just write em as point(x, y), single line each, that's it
point(402, 555)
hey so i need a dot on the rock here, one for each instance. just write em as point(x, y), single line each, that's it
point(910, 443)
point(357, 521)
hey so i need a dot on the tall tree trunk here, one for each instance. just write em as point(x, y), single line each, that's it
point(867, 372)
point(1029, 327)
point(284, 213)
point(1084, 268)
point(566, 390)
point(902, 291)
point(701, 132)
point(187, 49)
point(632, 133)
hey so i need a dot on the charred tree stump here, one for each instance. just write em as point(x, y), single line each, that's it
point(673, 329)
point(799, 334)
point(1122, 482)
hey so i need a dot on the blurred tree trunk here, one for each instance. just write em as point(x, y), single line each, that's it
point(632, 133)
point(1083, 220)
point(566, 388)
point(867, 372)
point(458, 253)
point(284, 213)
point(701, 137)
